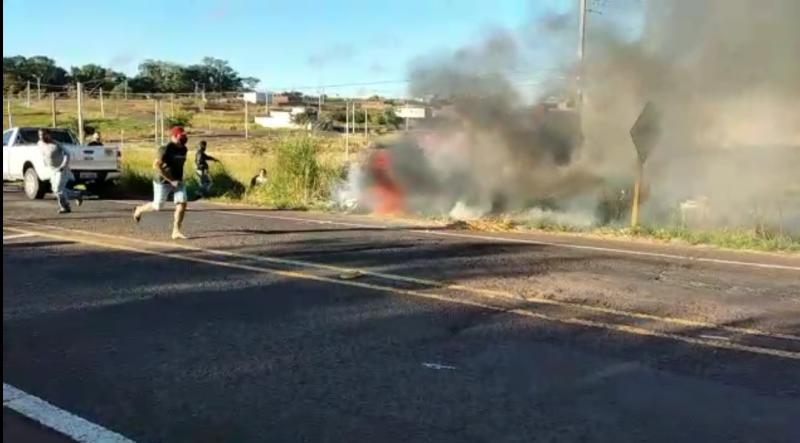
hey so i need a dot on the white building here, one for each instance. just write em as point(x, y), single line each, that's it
point(281, 118)
point(413, 112)
point(258, 98)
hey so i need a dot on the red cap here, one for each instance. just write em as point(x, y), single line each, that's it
point(177, 131)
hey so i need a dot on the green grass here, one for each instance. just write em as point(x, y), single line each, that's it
point(732, 238)
point(299, 177)
point(301, 170)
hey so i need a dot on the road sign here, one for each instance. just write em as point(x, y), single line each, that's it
point(646, 131)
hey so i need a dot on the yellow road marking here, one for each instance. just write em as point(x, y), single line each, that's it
point(485, 292)
point(635, 330)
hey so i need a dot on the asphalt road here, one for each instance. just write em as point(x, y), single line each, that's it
point(283, 326)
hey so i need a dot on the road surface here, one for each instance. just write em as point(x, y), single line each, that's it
point(289, 326)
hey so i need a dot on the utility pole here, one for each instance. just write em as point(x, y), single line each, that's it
point(28, 102)
point(102, 106)
point(581, 51)
point(80, 111)
point(53, 107)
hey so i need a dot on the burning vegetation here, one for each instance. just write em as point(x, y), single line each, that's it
point(723, 73)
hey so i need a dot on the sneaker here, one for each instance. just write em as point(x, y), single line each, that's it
point(137, 215)
point(178, 235)
point(64, 211)
point(79, 200)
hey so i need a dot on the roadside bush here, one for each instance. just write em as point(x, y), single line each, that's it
point(296, 178)
point(179, 119)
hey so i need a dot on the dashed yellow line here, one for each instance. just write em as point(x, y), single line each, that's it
point(485, 292)
point(635, 330)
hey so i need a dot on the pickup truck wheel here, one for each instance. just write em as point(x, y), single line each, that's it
point(34, 188)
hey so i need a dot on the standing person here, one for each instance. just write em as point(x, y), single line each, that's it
point(56, 158)
point(96, 140)
point(201, 160)
point(169, 178)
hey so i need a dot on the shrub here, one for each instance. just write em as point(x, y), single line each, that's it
point(296, 178)
point(179, 119)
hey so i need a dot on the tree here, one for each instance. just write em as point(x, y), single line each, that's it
point(45, 70)
point(19, 70)
point(95, 76)
point(161, 76)
point(154, 76)
point(224, 77)
point(250, 83)
point(13, 79)
point(390, 118)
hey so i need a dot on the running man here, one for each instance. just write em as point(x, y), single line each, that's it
point(56, 158)
point(169, 178)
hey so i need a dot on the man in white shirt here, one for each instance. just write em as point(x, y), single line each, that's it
point(56, 158)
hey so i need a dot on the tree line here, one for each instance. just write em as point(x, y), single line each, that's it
point(157, 76)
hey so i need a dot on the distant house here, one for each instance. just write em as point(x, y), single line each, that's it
point(413, 112)
point(281, 118)
point(287, 99)
point(258, 98)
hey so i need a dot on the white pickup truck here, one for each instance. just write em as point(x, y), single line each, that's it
point(95, 166)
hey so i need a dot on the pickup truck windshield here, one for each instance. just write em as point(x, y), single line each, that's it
point(31, 136)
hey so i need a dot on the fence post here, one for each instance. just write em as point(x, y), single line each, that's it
point(161, 115)
point(155, 122)
point(102, 106)
point(53, 108)
point(28, 102)
point(347, 130)
point(80, 112)
point(246, 121)
point(10, 119)
point(172, 105)
point(366, 123)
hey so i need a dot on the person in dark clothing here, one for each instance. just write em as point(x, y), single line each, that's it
point(96, 140)
point(201, 160)
point(168, 165)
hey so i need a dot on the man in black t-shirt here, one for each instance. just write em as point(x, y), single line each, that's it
point(169, 178)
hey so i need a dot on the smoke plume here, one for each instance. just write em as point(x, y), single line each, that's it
point(725, 75)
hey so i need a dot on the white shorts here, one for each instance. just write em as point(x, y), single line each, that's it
point(161, 192)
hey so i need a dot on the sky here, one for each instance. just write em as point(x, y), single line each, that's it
point(298, 44)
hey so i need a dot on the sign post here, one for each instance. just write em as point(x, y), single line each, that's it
point(644, 134)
